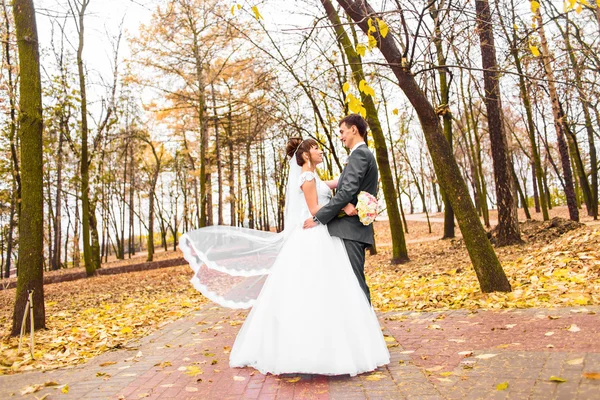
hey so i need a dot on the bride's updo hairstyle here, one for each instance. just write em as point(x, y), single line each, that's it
point(299, 146)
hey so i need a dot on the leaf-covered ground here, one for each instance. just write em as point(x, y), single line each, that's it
point(90, 316)
point(558, 265)
point(553, 268)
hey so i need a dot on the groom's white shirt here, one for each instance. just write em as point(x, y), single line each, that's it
point(356, 147)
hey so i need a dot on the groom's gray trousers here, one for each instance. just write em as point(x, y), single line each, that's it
point(359, 175)
point(356, 254)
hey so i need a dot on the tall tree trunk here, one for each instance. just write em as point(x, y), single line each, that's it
point(124, 202)
point(536, 195)
point(15, 204)
point(443, 109)
point(76, 251)
point(231, 176)
point(489, 271)
point(248, 175)
point(31, 229)
point(90, 268)
point(507, 230)
point(393, 150)
point(263, 180)
point(218, 158)
point(205, 186)
point(131, 205)
point(479, 187)
point(522, 196)
point(399, 250)
point(559, 123)
point(535, 154)
point(95, 239)
point(66, 259)
point(58, 203)
point(578, 167)
point(240, 197)
point(585, 105)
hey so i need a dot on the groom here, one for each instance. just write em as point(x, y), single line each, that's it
point(360, 174)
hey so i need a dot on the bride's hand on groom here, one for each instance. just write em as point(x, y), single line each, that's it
point(309, 223)
point(350, 209)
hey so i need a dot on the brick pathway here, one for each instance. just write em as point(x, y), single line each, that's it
point(445, 355)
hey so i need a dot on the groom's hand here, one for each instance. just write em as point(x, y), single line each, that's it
point(350, 209)
point(309, 223)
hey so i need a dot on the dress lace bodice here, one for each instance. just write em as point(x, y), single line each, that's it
point(323, 191)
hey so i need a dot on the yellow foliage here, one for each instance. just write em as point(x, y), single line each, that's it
point(361, 49)
point(257, 14)
point(372, 42)
point(371, 27)
point(383, 27)
point(346, 87)
point(561, 274)
point(364, 87)
point(534, 50)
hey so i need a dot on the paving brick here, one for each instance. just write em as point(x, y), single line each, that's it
point(517, 337)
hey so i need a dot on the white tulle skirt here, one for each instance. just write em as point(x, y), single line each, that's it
point(311, 315)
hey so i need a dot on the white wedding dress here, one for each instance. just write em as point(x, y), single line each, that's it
point(311, 315)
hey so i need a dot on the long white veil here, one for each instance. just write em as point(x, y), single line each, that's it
point(231, 263)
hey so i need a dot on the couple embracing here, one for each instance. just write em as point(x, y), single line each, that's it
point(311, 310)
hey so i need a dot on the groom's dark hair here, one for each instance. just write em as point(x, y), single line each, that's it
point(358, 121)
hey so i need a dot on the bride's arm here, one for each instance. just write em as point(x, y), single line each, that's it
point(309, 188)
point(332, 184)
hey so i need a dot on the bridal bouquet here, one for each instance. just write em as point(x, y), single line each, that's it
point(366, 207)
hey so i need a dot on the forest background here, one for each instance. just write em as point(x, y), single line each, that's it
point(166, 116)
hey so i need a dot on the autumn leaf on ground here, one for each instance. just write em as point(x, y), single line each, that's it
point(65, 389)
point(502, 386)
point(31, 389)
point(106, 364)
point(86, 318)
point(193, 370)
point(575, 361)
point(163, 364)
point(293, 380)
point(377, 376)
point(592, 375)
point(485, 356)
point(557, 379)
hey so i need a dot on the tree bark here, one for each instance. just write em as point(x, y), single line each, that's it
point(15, 204)
point(489, 271)
point(55, 263)
point(541, 202)
point(218, 158)
point(90, 268)
point(507, 230)
point(399, 250)
point(585, 105)
point(559, 122)
point(31, 229)
point(443, 110)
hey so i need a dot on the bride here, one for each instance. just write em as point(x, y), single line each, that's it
point(309, 313)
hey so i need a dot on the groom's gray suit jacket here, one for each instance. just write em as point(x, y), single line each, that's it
point(360, 174)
